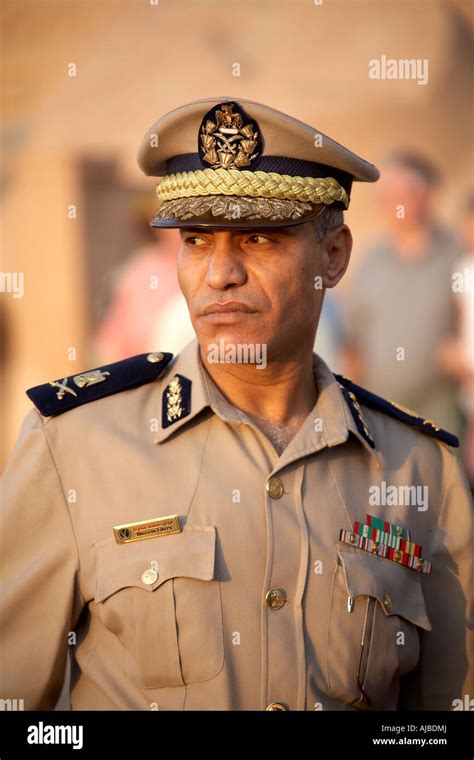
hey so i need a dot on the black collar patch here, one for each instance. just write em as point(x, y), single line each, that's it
point(176, 400)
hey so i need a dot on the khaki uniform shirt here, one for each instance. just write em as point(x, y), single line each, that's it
point(203, 632)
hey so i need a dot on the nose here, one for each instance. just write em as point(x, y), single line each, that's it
point(225, 267)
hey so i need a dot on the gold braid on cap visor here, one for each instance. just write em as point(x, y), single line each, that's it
point(254, 184)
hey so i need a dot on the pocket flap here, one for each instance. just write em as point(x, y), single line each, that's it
point(189, 554)
point(397, 588)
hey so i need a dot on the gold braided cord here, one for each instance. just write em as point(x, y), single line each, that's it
point(255, 184)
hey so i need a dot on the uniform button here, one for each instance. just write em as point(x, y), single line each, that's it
point(274, 488)
point(154, 357)
point(275, 598)
point(387, 602)
point(149, 577)
point(277, 706)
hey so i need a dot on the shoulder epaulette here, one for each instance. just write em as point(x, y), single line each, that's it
point(396, 410)
point(62, 395)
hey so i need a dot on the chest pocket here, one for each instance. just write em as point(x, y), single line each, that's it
point(161, 600)
point(376, 612)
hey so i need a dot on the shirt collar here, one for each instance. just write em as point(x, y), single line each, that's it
point(329, 423)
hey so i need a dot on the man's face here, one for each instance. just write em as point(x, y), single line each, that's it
point(400, 186)
point(268, 276)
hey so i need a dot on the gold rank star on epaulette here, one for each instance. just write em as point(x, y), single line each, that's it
point(66, 393)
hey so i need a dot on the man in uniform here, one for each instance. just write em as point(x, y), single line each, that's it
point(236, 527)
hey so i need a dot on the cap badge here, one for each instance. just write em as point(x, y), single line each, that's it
point(228, 138)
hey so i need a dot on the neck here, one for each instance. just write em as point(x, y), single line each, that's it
point(283, 392)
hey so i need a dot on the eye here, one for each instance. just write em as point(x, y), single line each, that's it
point(259, 239)
point(194, 240)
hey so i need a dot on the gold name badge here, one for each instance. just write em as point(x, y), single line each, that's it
point(138, 531)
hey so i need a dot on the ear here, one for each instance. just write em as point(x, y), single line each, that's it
point(337, 247)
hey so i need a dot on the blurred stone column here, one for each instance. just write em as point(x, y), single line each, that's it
point(41, 242)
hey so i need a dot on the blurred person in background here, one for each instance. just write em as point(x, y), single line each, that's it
point(329, 340)
point(456, 354)
point(399, 310)
point(147, 307)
